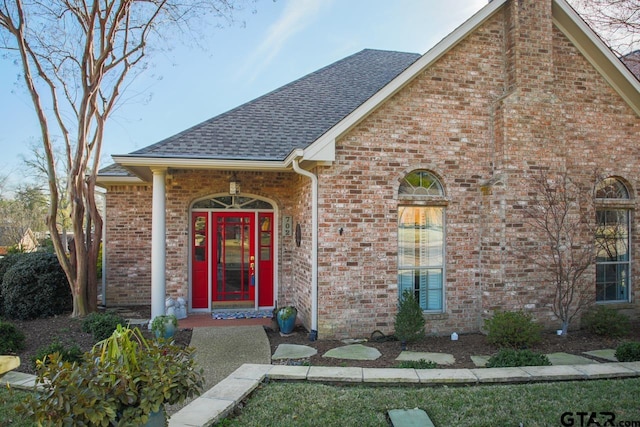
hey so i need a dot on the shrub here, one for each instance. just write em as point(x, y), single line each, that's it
point(512, 329)
point(5, 264)
point(628, 352)
point(418, 364)
point(71, 354)
point(606, 321)
point(121, 381)
point(102, 325)
point(508, 357)
point(35, 286)
point(11, 338)
point(409, 323)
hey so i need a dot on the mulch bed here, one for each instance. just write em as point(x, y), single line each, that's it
point(576, 342)
point(42, 332)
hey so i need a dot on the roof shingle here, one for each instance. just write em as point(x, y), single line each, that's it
point(293, 116)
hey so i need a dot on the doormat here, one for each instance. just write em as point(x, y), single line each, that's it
point(248, 314)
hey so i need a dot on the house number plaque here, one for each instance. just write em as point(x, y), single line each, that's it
point(287, 226)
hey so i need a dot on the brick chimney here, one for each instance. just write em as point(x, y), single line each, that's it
point(529, 50)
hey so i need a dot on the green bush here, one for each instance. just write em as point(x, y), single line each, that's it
point(628, 352)
point(512, 329)
point(36, 287)
point(121, 381)
point(418, 364)
point(102, 325)
point(11, 338)
point(409, 323)
point(71, 354)
point(606, 321)
point(5, 264)
point(508, 358)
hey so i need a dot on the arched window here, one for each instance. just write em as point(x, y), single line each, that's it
point(232, 202)
point(421, 239)
point(612, 240)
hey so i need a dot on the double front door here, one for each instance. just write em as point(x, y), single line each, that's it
point(232, 259)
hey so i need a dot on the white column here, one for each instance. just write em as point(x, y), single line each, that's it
point(158, 241)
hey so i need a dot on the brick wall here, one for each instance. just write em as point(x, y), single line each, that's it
point(129, 215)
point(486, 118)
point(493, 112)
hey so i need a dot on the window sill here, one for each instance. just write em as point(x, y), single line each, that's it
point(430, 315)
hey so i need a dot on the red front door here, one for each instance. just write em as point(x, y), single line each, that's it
point(232, 259)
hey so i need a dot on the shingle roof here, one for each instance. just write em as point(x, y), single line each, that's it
point(114, 170)
point(293, 116)
point(632, 61)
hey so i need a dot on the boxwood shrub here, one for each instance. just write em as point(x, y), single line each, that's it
point(509, 358)
point(514, 329)
point(5, 264)
point(11, 338)
point(628, 352)
point(606, 321)
point(102, 324)
point(35, 287)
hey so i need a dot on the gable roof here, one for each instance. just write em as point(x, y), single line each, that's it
point(290, 117)
point(306, 117)
point(632, 61)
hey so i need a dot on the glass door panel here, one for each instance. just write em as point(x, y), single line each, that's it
point(234, 271)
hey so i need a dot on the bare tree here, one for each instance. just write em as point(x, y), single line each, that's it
point(23, 213)
point(37, 162)
point(561, 216)
point(616, 21)
point(77, 56)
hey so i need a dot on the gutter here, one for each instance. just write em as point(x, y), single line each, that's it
point(313, 335)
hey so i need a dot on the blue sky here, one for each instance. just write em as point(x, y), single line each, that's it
point(282, 41)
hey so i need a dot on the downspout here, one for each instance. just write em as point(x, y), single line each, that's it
point(313, 335)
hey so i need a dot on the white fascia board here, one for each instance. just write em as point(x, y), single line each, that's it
point(597, 53)
point(105, 180)
point(321, 152)
point(179, 163)
point(324, 145)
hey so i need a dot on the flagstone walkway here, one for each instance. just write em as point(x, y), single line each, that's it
point(290, 353)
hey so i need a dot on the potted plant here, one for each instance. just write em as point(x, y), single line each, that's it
point(164, 326)
point(287, 319)
point(123, 380)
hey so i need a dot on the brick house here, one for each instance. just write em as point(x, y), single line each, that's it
point(386, 171)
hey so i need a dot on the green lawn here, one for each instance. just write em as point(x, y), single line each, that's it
point(312, 404)
point(309, 404)
point(9, 399)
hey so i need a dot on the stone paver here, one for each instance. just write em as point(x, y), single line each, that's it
point(409, 418)
point(281, 372)
point(439, 358)
point(293, 351)
point(389, 375)
point(353, 352)
point(480, 361)
point(607, 354)
point(606, 370)
point(500, 375)
point(446, 376)
point(568, 359)
point(634, 366)
point(326, 373)
point(553, 373)
point(18, 380)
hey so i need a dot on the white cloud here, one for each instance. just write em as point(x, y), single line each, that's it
point(296, 16)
